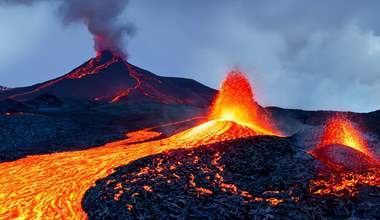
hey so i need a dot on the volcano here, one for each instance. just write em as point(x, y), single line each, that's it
point(343, 146)
point(109, 78)
point(234, 115)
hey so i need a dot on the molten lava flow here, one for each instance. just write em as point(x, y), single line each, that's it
point(134, 75)
point(92, 67)
point(51, 186)
point(145, 89)
point(235, 102)
point(340, 130)
point(346, 183)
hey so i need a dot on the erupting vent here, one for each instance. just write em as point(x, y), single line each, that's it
point(339, 130)
point(235, 102)
point(343, 147)
point(233, 115)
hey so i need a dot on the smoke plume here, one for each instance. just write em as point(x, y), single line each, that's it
point(101, 18)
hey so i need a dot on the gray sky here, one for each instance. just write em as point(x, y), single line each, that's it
point(298, 54)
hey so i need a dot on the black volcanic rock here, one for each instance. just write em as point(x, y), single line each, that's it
point(256, 178)
point(110, 78)
point(31, 130)
point(13, 106)
point(41, 101)
point(45, 100)
point(342, 157)
point(241, 179)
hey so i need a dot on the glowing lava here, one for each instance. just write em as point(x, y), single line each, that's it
point(235, 102)
point(346, 183)
point(51, 186)
point(340, 130)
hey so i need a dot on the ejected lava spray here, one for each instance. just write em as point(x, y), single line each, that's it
point(343, 146)
point(340, 130)
point(236, 102)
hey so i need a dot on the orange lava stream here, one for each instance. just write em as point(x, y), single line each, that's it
point(340, 130)
point(133, 74)
point(51, 186)
point(159, 96)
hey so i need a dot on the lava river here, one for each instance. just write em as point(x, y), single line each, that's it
point(52, 186)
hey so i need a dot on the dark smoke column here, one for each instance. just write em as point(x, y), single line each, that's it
point(101, 19)
point(100, 16)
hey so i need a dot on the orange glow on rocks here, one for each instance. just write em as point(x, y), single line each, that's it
point(349, 183)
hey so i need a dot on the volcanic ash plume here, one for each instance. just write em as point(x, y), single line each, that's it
point(100, 16)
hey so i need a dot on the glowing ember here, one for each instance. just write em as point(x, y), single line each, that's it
point(347, 183)
point(235, 102)
point(340, 130)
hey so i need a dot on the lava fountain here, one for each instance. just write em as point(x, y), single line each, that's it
point(339, 130)
point(51, 186)
point(235, 102)
point(343, 146)
point(234, 114)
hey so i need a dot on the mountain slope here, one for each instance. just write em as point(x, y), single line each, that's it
point(108, 78)
point(3, 88)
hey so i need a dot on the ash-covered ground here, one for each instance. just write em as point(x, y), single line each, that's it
point(255, 178)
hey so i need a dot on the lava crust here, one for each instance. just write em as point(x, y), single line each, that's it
point(342, 157)
point(234, 179)
point(257, 178)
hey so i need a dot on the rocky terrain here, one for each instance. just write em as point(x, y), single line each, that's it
point(48, 128)
point(256, 178)
point(48, 124)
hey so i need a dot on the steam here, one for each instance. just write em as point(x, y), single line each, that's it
point(101, 17)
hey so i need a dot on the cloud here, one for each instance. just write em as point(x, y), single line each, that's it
point(298, 54)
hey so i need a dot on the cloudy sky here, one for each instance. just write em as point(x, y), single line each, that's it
point(297, 54)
